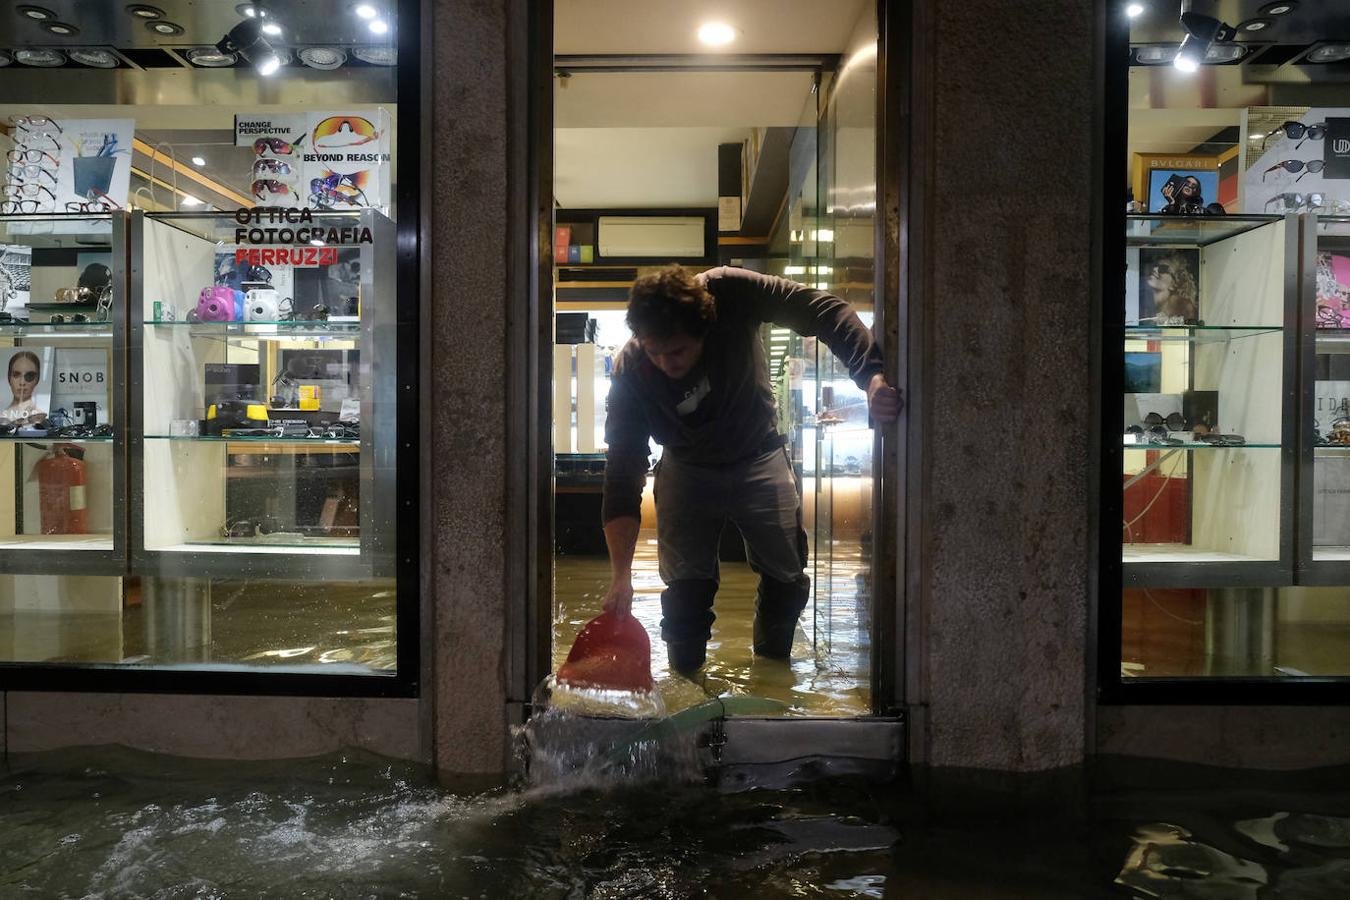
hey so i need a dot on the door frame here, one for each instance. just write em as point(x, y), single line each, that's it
point(530, 431)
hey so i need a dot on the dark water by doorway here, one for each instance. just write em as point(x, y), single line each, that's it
point(110, 822)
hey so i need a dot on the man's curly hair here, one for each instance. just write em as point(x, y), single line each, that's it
point(670, 301)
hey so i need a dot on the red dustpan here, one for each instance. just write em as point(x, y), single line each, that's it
point(611, 654)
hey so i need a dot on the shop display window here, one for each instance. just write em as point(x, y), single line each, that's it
point(202, 313)
point(1225, 338)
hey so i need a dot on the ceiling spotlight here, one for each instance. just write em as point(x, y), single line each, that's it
point(1279, 8)
point(1134, 10)
point(1188, 55)
point(144, 11)
point(198, 161)
point(94, 57)
point(45, 59)
point(37, 13)
point(715, 34)
point(211, 58)
point(164, 27)
point(1328, 53)
point(366, 11)
point(61, 28)
point(1155, 55)
point(272, 29)
point(247, 40)
point(377, 56)
point(378, 26)
point(322, 57)
point(1203, 29)
point(5, 58)
point(251, 10)
point(1254, 25)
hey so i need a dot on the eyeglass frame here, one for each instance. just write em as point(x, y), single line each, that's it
point(23, 122)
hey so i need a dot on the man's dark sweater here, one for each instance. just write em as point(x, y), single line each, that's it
point(723, 412)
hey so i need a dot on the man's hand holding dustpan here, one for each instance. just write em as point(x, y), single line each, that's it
point(612, 652)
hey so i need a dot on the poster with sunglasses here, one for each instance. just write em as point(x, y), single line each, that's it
point(80, 385)
point(16, 279)
point(1301, 163)
point(1168, 283)
point(320, 160)
point(30, 385)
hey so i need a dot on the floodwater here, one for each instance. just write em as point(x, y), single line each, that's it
point(828, 673)
point(109, 822)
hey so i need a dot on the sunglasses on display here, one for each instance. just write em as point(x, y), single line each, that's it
point(1297, 165)
point(1297, 131)
point(274, 145)
point(1293, 202)
point(1222, 440)
point(271, 167)
point(263, 187)
point(63, 319)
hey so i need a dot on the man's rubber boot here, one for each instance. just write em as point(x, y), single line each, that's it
point(686, 622)
point(779, 606)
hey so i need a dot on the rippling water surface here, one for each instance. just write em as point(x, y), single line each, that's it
point(110, 822)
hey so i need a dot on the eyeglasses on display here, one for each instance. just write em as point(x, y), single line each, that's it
point(10, 207)
point(27, 189)
point(30, 156)
point(30, 171)
point(1293, 202)
point(29, 123)
point(1307, 166)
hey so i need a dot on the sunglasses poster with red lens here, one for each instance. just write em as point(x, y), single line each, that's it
point(319, 161)
point(1297, 163)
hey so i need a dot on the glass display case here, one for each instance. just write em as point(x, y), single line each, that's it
point(1210, 349)
point(263, 429)
point(62, 434)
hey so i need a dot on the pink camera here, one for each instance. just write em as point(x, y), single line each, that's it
point(217, 304)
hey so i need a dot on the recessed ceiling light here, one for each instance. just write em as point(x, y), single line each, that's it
point(322, 57)
point(366, 11)
point(1134, 10)
point(716, 34)
point(163, 26)
point(95, 57)
point(45, 59)
point(272, 28)
point(145, 11)
point(1225, 53)
point(1279, 8)
point(1155, 55)
point(5, 58)
point(62, 28)
point(211, 58)
point(377, 56)
point(1329, 53)
point(198, 161)
point(1254, 25)
point(39, 13)
point(378, 26)
point(251, 10)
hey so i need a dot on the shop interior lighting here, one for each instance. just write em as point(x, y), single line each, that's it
point(37, 13)
point(716, 34)
point(198, 161)
point(1279, 8)
point(366, 11)
point(63, 29)
point(46, 59)
point(1251, 26)
point(94, 56)
point(145, 11)
point(164, 27)
point(251, 10)
point(247, 40)
point(378, 26)
point(1203, 29)
point(5, 58)
point(210, 58)
point(189, 200)
point(1329, 53)
point(322, 57)
point(377, 56)
point(271, 29)
point(1155, 55)
point(1134, 10)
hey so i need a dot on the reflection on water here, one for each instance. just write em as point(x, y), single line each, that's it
point(816, 682)
point(108, 822)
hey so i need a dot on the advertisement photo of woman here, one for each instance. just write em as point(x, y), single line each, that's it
point(1170, 292)
point(25, 376)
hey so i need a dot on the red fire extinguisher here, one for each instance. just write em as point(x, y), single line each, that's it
point(60, 477)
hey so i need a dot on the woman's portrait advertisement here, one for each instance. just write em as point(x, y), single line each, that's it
point(1169, 287)
point(1182, 192)
point(29, 385)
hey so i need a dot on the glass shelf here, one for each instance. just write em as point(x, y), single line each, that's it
point(278, 331)
point(1201, 445)
point(57, 230)
point(62, 329)
point(41, 439)
point(254, 439)
point(1198, 334)
point(1193, 231)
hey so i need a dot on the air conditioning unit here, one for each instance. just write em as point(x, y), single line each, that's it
point(655, 237)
